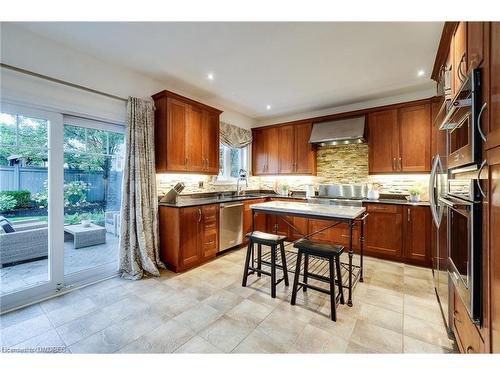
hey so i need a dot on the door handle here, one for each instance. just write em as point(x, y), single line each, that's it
point(478, 180)
point(479, 128)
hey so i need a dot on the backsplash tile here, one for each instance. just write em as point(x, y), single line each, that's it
point(345, 164)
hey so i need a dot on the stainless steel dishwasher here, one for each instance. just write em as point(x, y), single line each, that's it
point(231, 225)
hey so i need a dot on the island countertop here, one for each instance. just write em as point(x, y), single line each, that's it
point(312, 209)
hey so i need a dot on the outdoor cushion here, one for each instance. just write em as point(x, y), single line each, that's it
point(6, 225)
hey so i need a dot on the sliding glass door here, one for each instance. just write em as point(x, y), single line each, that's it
point(30, 209)
point(93, 170)
point(60, 197)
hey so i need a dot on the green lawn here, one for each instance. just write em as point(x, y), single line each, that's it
point(23, 218)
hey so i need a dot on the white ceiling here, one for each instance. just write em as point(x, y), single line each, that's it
point(294, 67)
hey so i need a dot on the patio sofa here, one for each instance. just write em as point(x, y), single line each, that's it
point(28, 241)
point(112, 222)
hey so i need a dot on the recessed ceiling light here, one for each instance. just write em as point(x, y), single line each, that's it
point(210, 76)
point(268, 106)
point(421, 73)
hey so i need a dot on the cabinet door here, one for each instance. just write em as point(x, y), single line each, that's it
point(259, 153)
point(323, 235)
point(460, 54)
point(190, 219)
point(415, 139)
point(210, 142)
point(210, 225)
point(493, 108)
point(286, 149)
point(177, 118)
point(194, 135)
point(383, 230)
point(305, 152)
point(417, 235)
point(475, 44)
point(302, 225)
point(271, 137)
point(493, 157)
point(260, 218)
point(382, 141)
point(277, 225)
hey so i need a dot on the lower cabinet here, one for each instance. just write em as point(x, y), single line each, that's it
point(188, 236)
point(468, 338)
point(260, 220)
point(399, 232)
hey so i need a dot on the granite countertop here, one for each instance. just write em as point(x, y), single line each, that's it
point(313, 209)
point(200, 200)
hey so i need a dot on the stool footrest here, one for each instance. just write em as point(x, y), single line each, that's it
point(314, 287)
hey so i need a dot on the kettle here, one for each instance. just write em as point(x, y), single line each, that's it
point(310, 191)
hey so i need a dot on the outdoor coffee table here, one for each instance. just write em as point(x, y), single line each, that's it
point(85, 236)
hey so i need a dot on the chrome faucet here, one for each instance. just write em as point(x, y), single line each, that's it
point(242, 177)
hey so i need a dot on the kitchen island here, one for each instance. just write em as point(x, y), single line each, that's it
point(335, 213)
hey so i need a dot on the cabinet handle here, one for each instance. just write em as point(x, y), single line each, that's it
point(199, 215)
point(409, 215)
point(393, 164)
point(399, 164)
point(462, 76)
point(186, 161)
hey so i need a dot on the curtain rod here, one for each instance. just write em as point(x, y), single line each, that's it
point(60, 81)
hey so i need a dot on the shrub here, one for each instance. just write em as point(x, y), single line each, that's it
point(7, 203)
point(95, 217)
point(22, 197)
point(75, 193)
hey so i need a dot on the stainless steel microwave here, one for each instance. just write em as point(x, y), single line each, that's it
point(463, 123)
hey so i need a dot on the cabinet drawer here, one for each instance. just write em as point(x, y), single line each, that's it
point(466, 333)
point(387, 208)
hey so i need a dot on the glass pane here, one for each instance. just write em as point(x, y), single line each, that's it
point(23, 202)
point(221, 159)
point(74, 139)
point(235, 164)
point(32, 132)
point(7, 129)
point(92, 198)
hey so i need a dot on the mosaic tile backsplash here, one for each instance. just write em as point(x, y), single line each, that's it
point(335, 164)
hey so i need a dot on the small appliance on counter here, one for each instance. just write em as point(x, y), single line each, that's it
point(172, 194)
point(373, 192)
point(310, 193)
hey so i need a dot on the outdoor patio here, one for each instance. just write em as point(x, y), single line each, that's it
point(28, 274)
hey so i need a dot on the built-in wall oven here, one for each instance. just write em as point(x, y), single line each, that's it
point(463, 123)
point(463, 206)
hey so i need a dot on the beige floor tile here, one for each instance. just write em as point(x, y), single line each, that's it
point(84, 326)
point(431, 333)
point(226, 333)
point(354, 348)
point(198, 345)
point(418, 272)
point(377, 338)
point(259, 342)
point(388, 299)
point(282, 331)
point(381, 317)
point(418, 287)
point(223, 300)
point(164, 339)
point(415, 346)
point(199, 316)
point(249, 312)
point(423, 308)
point(315, 340)
point(24, 330)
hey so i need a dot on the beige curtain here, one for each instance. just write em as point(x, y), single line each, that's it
point(234, 136)
point(139, 245)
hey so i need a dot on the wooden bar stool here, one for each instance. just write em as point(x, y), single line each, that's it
point(331, 253)
point(272, 240)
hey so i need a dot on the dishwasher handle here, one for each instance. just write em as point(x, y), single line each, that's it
point(223, 205)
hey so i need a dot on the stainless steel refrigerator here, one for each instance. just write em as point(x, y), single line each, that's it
point(438, 188)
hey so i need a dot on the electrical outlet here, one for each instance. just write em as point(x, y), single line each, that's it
point(200, 184)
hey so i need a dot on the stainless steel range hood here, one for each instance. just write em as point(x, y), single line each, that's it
point(339, 132)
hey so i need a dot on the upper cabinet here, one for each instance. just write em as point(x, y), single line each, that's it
point(460, 66)
point(283, 149)
point(186, 135)
point(399, 140)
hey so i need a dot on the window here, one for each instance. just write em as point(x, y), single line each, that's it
point(231, 160)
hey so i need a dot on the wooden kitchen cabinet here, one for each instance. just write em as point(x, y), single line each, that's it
point(383, 141)
point(415, 138)
point(260, 218)
point(384, 230)
point(188, 235)
point(460, 55)
point(468, 338)
point(475, 44)
point(283, 149)
point(186, 135)
point(417, 235)
point(399, 140)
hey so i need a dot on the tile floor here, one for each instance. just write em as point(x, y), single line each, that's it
point(206, 310)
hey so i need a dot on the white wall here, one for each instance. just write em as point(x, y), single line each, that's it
point(30, 51)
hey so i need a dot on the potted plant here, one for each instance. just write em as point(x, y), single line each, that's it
point(86, 220)
point(415, 193)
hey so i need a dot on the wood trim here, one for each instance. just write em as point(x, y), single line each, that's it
point(356, 113)
point(170, 94)
point(443, 48)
